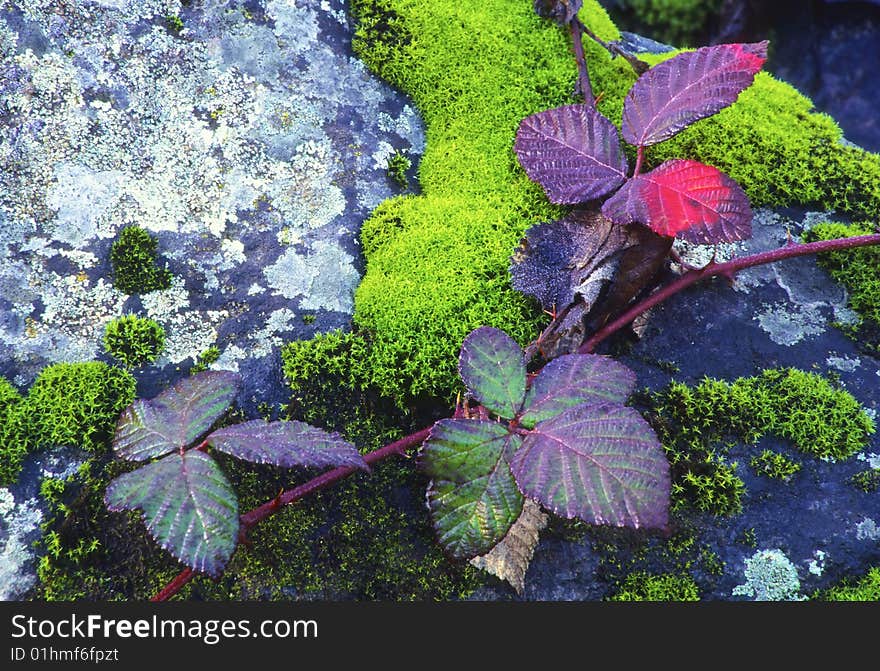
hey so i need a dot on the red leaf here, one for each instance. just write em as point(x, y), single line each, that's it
point(689, 87)
point(687, 199)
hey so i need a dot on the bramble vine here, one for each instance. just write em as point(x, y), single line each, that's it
point(542, 428)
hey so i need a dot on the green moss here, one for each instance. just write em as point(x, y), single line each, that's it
point(642, 586)
point(69, 404)
point(76, 404)
point(868, 481)
point(134, 341)
point(865, 589)
point(437, 262)
point(695, 423)
point(133, 258)
point(859, 271)
point(774, 465)
point(398, 165)
point(205, 359)
point(683, 23)
point(12, 447)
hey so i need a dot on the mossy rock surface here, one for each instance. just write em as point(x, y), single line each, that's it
point(436, 263)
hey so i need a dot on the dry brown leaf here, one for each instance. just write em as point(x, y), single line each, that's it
point(510, 559)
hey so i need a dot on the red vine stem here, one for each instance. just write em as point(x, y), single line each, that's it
point(728, 269)
point(577, 43)
point(400, 447)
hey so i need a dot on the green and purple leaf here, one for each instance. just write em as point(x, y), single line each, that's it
point(685, 199)
point(599, 463)
point(573, 152)
point(492, 368)
point(286, 444)
point(574, 379)
point(188, 506)
point(472, 496)
point(176, 417)
point(688, 87)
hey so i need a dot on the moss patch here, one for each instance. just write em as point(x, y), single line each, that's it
point(437, 262)
point(134, 341)
point(73, 404)
point(696, 425)
point(641, 586)
point(865, 589)
point(134, 261)
point(12, 448)
point(859, 271)
point(774, 465)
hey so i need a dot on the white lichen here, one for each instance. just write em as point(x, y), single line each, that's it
point(770, 576)
point(18, 522)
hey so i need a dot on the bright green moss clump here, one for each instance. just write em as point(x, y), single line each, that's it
point(774, 465)
point(133, 257)
point(859, 271)
point(641, 586)
point(12, 449)
point(134, 341)
point(866, 589)
point(73, 404)
point(77, 404)
point(695, 423)
point(437, 263)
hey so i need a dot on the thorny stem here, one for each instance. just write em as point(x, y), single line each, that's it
point(727, 269)
point(407, 443)
point(584, 85)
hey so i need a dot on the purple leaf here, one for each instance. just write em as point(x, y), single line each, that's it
point(690, 86)
point(473, 497)
point(573, 152)
point(560, 11)
point(188, 506)
point(574, 379)
point(493, 370)
point(286, 444)
point(687, 199)
point(600, 463)
point(176, 417)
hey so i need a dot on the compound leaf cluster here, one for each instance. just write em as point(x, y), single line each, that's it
point(187, 503)
point(574, 153)
point(566, 442)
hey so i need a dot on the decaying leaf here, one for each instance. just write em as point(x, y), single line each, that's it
point(510, 559)
point(584, 264)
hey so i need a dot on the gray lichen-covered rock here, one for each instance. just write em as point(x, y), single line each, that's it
point(246, 137)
